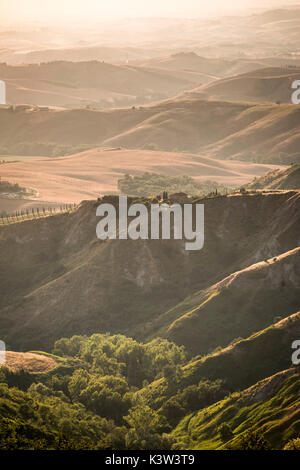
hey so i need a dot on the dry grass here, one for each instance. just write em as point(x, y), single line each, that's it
point(88, 83)
point(29, 362)
point(269, 84)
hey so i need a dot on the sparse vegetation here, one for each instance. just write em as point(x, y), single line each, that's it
point(278, 179)
point(12, 188)
point(47, 149)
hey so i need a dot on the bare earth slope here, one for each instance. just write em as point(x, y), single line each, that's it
point(67, 282)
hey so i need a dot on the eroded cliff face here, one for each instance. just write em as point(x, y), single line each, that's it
point(58, 279)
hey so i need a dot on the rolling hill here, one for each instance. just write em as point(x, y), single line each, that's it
point(278, 179)
point(266, 84)
point(201, 69)
point(71, 84)
point(209, 69)
point(263, 133)
point(110, 54)
point(241, 364)
point(269, 408)
point(141, 344)
point(95, 172)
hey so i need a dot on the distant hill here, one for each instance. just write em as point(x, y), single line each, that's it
point(276, 15)
point(86, 53)
point(204, 69)
point(262, 133)
point(75, 53)
point(71, 84)
point(278, 179)
point(266, 84)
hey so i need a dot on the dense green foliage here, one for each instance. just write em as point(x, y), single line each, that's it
point(90, 400)
point(95, 399)
point(151, 184)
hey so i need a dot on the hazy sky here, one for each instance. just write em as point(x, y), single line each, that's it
point(53, 10)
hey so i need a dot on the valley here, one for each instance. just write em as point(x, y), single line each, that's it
point(139, 343)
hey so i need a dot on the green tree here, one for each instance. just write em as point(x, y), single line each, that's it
point(254, 440)
point(146, 429)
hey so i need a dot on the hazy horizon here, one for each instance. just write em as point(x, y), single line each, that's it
point(66, 11)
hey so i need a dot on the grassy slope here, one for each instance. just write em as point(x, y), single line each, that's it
point(249, 360)
point(204, 69)
point(271, 406)
point(239, 305)
point(79, 83)
point(239, 365)
point(278, 179)
point(266, 84)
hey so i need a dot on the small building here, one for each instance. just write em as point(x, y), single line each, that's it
point(179, 197)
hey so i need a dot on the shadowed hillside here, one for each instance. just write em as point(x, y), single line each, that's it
point(66, 281)
point(239, 305)
point(241, 364)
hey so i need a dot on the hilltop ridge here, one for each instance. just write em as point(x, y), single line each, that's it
point(257, 132)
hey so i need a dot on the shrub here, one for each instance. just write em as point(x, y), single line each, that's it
point(225, 432)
